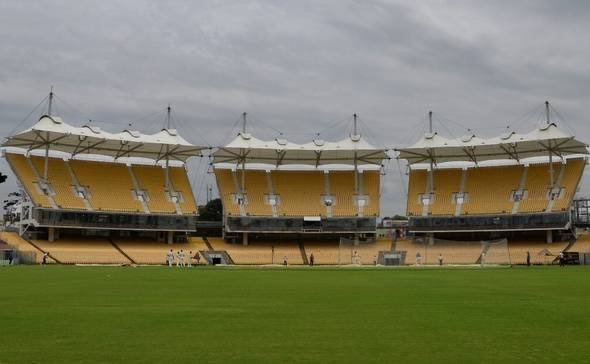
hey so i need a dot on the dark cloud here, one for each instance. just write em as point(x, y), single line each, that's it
point(297, 67)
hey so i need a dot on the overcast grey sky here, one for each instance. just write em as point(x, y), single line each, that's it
point(298, 67)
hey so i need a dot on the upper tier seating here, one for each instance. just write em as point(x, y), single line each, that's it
point(537, 183)
point(446, 182)
point(372, 188)
point(416, 187)
point(256, 189)
point(108, 186)
point(61, 182)
point(28, 178)
point(299, 192)
point(490, 190)
point(180, 182)
point(153, 180)
point(226, 187)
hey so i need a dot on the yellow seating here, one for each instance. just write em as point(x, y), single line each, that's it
point(21, 245)
point(61, 182)
point(300, 192)
point(518, 249)
point(226, 187)
point(342, 188)
point(146, 251)
point(582, 245)
point(371, 186)
point(364, 253)
point(256, 189)
point(574, 168)
point(179, 180)
point(445, 183)
point(27, 177)
point(83, 250)
point(416, 187)
point(260, 252)
point(109, 185)
point(489, 188)
point(537, 184)
point(326, 252)
point(153, 180)
point(452, 252)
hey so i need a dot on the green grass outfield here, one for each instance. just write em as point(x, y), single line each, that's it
point(156, 314)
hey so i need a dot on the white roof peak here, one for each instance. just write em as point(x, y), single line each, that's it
point(280, 151)
point(59, 136)
point(510, 145)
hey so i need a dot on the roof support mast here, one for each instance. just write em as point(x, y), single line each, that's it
point(551, 172)
point(430, 180)
point(356, 171)
point(243, 181)
point(49, 107)
point(167, 172)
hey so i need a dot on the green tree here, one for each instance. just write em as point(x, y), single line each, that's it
point(212, 211)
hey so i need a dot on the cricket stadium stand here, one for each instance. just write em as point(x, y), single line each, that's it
point(283, 188)
point(86, 179)
point(511, 183)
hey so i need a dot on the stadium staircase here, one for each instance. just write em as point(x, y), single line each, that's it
point(570, 244)
point(41, 250)
point(208, 255)
point(121, 251)
point(209, 246)
point(303, 253)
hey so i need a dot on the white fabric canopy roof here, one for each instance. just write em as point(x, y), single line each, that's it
point(547, 140)
point(53, 133)
point(247, 149)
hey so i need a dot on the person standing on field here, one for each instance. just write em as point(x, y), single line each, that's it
point(170, 258)
point(190, 258)
point(198, 258)
point(528, 258)
point(440, 259)
point(561, 259)
point(418, 259)
point(182, 263)
point(482, 260)
point(311, 259)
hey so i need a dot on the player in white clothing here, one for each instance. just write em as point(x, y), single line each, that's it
point(170, 258)
point(182, 263)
